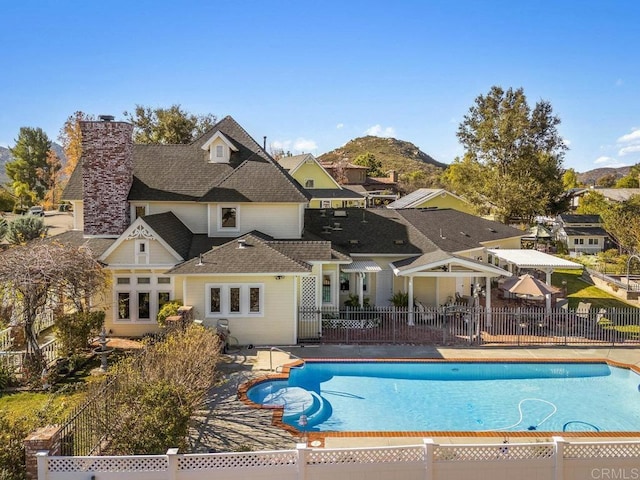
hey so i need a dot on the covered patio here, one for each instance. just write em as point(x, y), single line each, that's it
point(515, 260)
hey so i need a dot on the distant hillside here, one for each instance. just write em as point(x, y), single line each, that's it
point(403, 157)
point(5, 157)
point(592, 176)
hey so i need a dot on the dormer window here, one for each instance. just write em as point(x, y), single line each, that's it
point(219, 148)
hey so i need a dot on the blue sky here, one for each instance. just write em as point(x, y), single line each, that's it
point(311, 75)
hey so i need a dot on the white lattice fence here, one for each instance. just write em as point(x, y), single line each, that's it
point(559, 460)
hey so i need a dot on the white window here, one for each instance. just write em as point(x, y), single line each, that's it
point(138, 211)
point(235, 299)
point(593, 241)
point(219, 151)
point(308, 183)
point(142, 252)
point(138, 299)
point(228, 217)
point(325, 204)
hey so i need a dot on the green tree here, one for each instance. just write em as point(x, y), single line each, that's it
point(170, 125)
point(622, 222)
point(25, 229)
point(607, 181)
point(50, 178)
point(592, 203)
point(7, 200)
point(631, 180)
point(370, 161)
point(570, 179)
point(513, 155)
point(29, 155)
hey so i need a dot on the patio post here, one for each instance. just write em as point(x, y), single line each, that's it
point(410, 306)
point(487, 301)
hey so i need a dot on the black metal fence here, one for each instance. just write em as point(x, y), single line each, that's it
point(459, 325)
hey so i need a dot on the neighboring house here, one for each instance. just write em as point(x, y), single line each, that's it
point(432, 198)
point(613, 195)
point(581, 233)
point(323, 189)
point(220, 226)
point(377, 191)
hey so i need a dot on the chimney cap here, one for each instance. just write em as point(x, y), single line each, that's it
point(106, 118)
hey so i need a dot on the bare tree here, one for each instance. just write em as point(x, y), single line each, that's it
point(43, 273)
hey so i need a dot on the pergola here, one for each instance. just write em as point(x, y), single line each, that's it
point(534, 259)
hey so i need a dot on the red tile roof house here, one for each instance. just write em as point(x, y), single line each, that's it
point(219, 225)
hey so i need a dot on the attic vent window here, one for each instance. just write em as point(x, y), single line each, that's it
point(340, 213)
point(398, 242)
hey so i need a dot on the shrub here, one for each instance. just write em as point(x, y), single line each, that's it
point(169, 309)
point(4, 228)
point(7, 202)
point(400, 299)
point(12, 435)
point(354, 301)
point(75, 330)
point(24, 229)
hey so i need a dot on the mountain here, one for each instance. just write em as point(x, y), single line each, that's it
point(5, 157)
point(403, 157)
point(591, 177)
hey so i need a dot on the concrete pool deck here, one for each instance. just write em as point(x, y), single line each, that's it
point(228, 424)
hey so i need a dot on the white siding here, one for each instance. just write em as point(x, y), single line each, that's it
point(280, 220)
point(78, 215)
point(275, 327)
point(125, 254)
point(192, 214)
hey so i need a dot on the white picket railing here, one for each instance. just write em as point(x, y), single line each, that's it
point(6, 339)
point(555, 460)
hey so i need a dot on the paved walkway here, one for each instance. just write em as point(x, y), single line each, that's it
point(227, 424)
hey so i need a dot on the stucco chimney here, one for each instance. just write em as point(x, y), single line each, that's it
point(107, 175)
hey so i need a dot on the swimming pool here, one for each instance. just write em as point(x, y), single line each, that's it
point(434, 396)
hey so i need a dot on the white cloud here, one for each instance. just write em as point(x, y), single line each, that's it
point(379, 131)
point(632, 137)
point(339, 126)
point(630, 149)
point(604, 160)
point(299, 145)
point(304, 145)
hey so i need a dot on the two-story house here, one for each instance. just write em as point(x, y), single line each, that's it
point(324, 191)
point(222, 227)
point(581, 233)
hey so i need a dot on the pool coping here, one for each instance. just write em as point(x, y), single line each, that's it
point(318, 438)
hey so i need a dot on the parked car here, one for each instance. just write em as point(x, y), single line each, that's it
point(36, 210)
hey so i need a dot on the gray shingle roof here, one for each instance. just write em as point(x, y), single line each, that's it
point(172, 231)
point(585, 231)
point(455, 231)
point(183, 172)
point(75, 238)
point(409, 231)
point(255, 253)
point(332, 193)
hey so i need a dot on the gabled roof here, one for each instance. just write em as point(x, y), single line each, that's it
point(171, 233)
point(171, 230)
point(293, 162)
point(420, 196)
point(184, 173)
point(446, 263)
point(254, 253)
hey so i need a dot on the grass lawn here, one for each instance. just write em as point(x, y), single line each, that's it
point(580, 291)
point(31, 404)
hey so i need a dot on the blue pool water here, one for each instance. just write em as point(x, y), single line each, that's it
point(445, 396)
